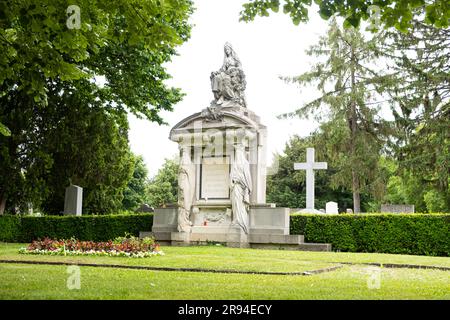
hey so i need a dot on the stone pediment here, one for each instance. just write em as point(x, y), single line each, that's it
point(218, 118)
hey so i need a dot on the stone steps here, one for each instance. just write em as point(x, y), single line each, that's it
point(314, 247)
point(257, 241)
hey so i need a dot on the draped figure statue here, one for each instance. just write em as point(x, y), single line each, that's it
point(186, 176)
point(241, 188)
point(228, 83)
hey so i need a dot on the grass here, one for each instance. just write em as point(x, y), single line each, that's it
point(49, 282)
point(20, 281)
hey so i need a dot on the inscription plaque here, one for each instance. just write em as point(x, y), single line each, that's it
point(215, 178)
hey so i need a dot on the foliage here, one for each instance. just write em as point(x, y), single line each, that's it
point(419, 97)
point(84, 145)
point(392, 13)
point(127, 246)
point(124, 41)
point(86, 227)
point(135, 193)
point(419, 234)
point(287, 187)
point(352, 135)
point(111, 65)
point(163, 187)
point(435, 202)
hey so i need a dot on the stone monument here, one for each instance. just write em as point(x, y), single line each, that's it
point(397, 208)
point(222, 175)
point(73, 200)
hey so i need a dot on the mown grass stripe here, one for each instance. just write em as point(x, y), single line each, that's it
point(83, 264)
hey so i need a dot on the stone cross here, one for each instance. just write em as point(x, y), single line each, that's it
point(310, 166)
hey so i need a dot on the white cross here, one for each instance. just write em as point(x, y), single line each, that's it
point(310, 166)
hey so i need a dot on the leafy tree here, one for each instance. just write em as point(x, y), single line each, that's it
point(347, 107)
point(126, 42)
point(80, 143)
point(135, 193)
point(163, 187)
point(397, 13)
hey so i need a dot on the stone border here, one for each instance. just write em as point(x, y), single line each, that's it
point(396, 265)
point(62, 263)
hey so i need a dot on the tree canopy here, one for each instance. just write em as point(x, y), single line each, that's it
point(390, 13)
point(101, 60)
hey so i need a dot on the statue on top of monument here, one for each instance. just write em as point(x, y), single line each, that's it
point(228, 83)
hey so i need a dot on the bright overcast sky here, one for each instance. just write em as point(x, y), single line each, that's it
point(267, 47)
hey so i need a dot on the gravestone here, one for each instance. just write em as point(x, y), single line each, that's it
point(397, 208)
point(73, 200)
point(222, 175)
point(331, 207)
point(310, 165)
point(145, 208)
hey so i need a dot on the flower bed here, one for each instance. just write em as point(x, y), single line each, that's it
point(127, 246)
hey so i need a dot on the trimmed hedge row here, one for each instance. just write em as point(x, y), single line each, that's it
point(419, 234)
point(88, 227)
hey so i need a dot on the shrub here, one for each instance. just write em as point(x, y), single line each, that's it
point(420, 234)
point(88, 227)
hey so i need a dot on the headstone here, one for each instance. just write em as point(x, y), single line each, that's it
point(397, 208)
point(145, 208)
point(310, 165)
point(73, 200)
point(331, 208)
point(349, 210)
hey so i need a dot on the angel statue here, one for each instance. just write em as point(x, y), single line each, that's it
point(228, 83)
point(241, 188)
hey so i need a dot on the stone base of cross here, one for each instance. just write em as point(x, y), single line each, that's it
point(310, 166)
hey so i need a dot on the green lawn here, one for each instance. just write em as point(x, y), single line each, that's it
point(20, 281)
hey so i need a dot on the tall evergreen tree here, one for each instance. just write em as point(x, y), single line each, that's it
point(420, 101)
point(349, 104)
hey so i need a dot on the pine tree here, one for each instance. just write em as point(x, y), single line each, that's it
point(349, 103)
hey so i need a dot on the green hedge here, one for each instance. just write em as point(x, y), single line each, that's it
point(419, 234)
point(88, 227)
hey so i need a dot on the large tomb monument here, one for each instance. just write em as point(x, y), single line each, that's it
point(222, 175)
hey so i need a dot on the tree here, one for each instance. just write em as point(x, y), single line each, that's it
point(347, 106)
point(397, 13)
point(135, 193)
point(163, 188)
point(44, 53)
point(80, 142)
point(420, 101)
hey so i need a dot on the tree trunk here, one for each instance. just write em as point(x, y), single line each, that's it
point(356, 194)
point(2, 203)
point(353, 132)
